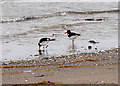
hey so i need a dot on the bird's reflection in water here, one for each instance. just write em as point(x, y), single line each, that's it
point(43, 53)
point(72, 49)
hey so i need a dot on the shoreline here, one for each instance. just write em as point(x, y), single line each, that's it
point(66, 69)
point(83, 56)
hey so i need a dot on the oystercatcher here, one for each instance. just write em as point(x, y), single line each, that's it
point(43, 42)
point(72, 35)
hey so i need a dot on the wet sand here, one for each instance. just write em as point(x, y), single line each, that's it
point(84, 68)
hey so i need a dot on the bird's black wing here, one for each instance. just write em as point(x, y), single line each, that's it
point(74, 34)
point(43, 39)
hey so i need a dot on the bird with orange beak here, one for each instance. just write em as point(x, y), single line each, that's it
point(72, 35)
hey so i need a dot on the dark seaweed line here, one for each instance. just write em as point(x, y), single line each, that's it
point(55, 15)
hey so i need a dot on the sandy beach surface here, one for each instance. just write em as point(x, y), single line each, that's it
point(84, 68)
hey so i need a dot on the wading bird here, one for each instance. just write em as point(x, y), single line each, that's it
point(44, 42)
point(72, 35)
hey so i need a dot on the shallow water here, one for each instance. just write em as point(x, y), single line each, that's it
point(24, 23)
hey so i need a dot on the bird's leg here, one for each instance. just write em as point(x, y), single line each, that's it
point(39, 48)
point(43, 48)
point(40, 53)
point(46, 46)
point(72, 42)
point(46, 52)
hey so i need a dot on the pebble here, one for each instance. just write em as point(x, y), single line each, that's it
point(96, 64)
point(28, 71)
point(63, 13)
point(68, 56)
point(102, 51)
point(5, 63)
point(96, 48)
point(33, 73)
point(26, 80)
point(89, 47)
point(40, 75)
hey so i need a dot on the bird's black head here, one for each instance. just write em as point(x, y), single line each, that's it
point(68, 31)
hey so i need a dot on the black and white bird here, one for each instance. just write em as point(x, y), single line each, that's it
point(44, 42)
point(72, 35)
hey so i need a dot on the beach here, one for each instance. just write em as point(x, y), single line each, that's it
point(85, 68)
point(93, 59)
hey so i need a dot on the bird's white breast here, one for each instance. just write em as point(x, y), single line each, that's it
point(73, 37)
point(44, 43)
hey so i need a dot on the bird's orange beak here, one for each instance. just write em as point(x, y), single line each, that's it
point(65, 32)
